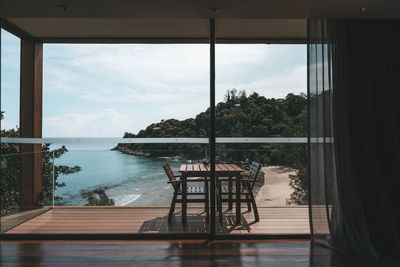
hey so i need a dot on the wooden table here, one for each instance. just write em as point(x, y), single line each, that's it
point(203, 170)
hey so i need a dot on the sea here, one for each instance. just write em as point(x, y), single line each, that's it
point(129, 180)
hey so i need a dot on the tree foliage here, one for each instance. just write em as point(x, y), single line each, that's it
point(10, 166)
point(97, 197)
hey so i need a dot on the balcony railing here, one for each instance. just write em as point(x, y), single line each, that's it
point(131, 193)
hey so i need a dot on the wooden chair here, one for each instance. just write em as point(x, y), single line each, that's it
point(229, 190)
point(176, 183)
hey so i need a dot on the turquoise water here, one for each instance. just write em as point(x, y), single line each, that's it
point(130, 180)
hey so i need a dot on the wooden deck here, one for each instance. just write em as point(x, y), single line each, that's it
point(133, 220)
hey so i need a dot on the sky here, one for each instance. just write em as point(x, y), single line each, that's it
point(104, 90)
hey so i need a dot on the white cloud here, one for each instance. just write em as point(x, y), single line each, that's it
point(277, 86)
point(106, 123)
point(10, 61)
point(125, 72)
point(145, 83)
point(158, 73)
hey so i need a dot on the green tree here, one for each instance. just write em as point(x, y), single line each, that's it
point(97, 197)
point(47, 170)
point(10, 164)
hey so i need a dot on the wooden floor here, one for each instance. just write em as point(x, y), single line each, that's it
point(132, 220)
point(277, 253)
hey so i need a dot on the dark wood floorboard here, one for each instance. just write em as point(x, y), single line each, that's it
point(175, 253)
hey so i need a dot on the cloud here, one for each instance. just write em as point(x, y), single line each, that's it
point(277, 86)
point(107, 89)
point(10, 61)
point(106, 123)
point(121, 73)
point(159, 73)
point(144, 83)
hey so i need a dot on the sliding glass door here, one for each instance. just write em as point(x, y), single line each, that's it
point(149, 104)
point(261, 114)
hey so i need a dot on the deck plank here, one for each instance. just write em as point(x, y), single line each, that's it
point(290, 220)
point(10, 221)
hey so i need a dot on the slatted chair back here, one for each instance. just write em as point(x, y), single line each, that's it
point(253, 172)
point(171, 176)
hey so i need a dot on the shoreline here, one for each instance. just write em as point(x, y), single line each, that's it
point(274, 189)
point(139, 153)
point(127, 151)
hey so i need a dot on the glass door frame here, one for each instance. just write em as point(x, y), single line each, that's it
point(212, 234)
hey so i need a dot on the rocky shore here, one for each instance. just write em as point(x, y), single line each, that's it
point(125, 150)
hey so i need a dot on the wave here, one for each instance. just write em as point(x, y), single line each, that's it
point(173, 158)
point(123, 200)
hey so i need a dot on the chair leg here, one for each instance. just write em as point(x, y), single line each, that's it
point(220, 201)
point(230, 193)
point(172, 208)
point(217, 200)
point(206, 205)
point(217, 195)
point(220, 212)
point(248, 202)
point(253, 202)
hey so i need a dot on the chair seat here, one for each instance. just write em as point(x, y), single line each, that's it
point(225, 190)
point(193, 179)
point(195, 190)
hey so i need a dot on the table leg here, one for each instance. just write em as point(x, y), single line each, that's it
point(230, 193)
point(184, 198)
point(219, 199)
point(207, 198)
point(238, 204)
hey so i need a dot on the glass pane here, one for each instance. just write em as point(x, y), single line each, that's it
point(262, 104)
point(10, 72)
point(136, 92)
point(10, 158)
point(13, 170)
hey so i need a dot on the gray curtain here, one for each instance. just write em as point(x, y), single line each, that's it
point(354, 94)
point(322, 186)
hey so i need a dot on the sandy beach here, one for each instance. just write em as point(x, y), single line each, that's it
point(275, 191)
point(272, 191)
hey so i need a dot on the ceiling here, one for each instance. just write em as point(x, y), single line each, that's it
point(257, 20)
point(258, 30)
point(198, 8)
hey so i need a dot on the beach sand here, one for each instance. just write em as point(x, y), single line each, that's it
point(275, 191)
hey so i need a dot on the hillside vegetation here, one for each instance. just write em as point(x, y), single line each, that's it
point(240, 115)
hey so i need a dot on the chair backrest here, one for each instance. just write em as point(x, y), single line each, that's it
point(254, 170)
point(170, 174)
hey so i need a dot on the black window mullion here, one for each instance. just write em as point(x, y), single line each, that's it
point(212, 129)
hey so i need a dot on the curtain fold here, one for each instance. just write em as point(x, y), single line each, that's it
point(354, 92)
point(321, 144)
